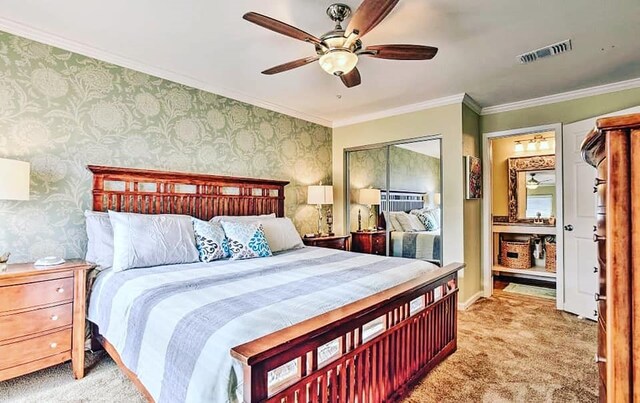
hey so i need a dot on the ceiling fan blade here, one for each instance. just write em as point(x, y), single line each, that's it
point(291, 65)
point(369, 14)
point(402, 52)
point(352, 78)
point(280, 27)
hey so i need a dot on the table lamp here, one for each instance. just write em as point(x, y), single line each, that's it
point(14, 185)
point(369, 197)
point(319, 195)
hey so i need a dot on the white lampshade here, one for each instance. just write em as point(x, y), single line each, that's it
point(320, 194)
point(437, 199)
point(14, 180)
point(369, 196)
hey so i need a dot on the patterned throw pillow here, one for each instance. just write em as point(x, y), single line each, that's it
point(211, 242)
point(427, 218)
point(246, 240)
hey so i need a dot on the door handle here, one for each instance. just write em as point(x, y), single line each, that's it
point(568, 227)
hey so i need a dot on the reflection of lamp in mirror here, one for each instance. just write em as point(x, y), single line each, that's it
point(14, 185)
point(369, 197)
point(319, 195)
point(437, 199)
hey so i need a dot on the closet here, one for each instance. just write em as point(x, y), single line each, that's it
point(613, 149)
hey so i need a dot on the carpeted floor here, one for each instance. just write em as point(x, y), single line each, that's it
point(511, 348)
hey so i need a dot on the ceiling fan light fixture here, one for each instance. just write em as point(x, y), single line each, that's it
point(338, 61)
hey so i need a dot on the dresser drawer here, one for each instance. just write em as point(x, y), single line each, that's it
point(15, 297)
point(39, 320)
point(25, 351)
point(379, 246)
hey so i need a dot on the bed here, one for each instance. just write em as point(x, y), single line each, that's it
point(424, 245)
point(305, 325)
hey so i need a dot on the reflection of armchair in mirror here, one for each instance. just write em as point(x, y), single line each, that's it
point(532, 188)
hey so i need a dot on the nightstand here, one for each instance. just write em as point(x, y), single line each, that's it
point(42, 317)
point(373, 242)
point(332, 242)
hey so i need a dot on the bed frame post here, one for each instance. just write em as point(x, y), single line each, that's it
point(254, 384)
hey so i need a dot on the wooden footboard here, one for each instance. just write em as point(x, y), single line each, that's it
point(372, 350)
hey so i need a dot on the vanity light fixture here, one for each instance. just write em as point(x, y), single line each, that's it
point(519, 147)
point(531, 145)
point(543, 144)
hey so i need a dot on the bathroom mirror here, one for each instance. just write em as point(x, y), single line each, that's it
point(532, 188)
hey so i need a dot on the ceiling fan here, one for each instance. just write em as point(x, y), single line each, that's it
point(533, 183)
point(339, 49)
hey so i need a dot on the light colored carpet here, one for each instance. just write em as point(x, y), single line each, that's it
point(510, 349)
point(531, 290)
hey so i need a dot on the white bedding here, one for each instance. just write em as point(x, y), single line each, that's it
point(174, 326)
point(424, 245)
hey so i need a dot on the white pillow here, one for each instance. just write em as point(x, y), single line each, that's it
point(100, 235)
point(240, 218)
point(393, 221)
point(281, 234)
point(405, 222)
point(145, 240)
point(416, 224)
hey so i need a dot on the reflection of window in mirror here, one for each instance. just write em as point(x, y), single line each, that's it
point(540, 188)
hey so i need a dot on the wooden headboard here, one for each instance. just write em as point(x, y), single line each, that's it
point(198, 195)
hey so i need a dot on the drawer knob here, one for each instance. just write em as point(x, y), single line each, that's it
point(597, 359)
point(599, 182)
point(53, 345)
point(54, 317)
point(59, 290)
point(597, 238)
point(599, 297)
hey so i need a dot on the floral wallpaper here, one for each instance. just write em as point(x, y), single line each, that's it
point(61, 111)
point(408, 170)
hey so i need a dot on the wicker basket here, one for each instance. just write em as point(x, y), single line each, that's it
point(516, 254)
point(550, 251)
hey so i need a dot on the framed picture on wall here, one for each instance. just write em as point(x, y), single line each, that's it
point(473, 173)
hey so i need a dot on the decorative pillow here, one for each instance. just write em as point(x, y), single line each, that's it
point(281, 234)
point(100, 235)
point(211, 242)
point(405, 222)
point(145, 240)
point(416, 224)
point(241, 218)
point(428, 219)
point(246, 240)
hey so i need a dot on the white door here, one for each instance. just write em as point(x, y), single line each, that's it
point(580, 260)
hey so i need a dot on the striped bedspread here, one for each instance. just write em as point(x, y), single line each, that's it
point(174, 326)
point(423, 245)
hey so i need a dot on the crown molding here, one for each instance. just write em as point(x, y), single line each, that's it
point(38, 35)
point(472, 104)
point(401, 110)
point(563, 96)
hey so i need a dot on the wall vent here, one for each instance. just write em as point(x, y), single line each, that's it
point(551, 50)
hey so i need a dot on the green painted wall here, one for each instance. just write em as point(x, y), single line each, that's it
point(561, 112)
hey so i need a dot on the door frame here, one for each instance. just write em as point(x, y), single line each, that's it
point(487, 225)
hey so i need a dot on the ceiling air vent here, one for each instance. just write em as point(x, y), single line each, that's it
point(551, 50)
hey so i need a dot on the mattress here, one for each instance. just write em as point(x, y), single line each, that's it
point(174, 326)
point(424, 245)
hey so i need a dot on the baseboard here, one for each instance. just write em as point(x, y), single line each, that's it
point(466, 304)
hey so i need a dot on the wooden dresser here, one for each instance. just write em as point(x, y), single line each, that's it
point(613, 148)
point(373, 242)
point(42, 317)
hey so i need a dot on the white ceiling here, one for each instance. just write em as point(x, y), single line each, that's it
point(427, 147)
point(208, 45)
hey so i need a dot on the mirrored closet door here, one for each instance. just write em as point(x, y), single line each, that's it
point(394, 202)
